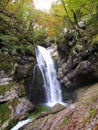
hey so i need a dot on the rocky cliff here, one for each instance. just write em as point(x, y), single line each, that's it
point(79, 57)
point(14, 102)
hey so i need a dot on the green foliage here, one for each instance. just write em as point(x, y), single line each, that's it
point(5, 38)
point(4, 112)
point(10, 42)
point(95, 39)
point(85, 119)
point(11, 124)
point(14, 26)
point(6, 63)
point(39, 35)
point(39, 109)
point(72, 11)
point(93, 112)
point(18, 20)
point(5, 67)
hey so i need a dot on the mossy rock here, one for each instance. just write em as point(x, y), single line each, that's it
point(5, 88)
point(14, 102)
point(4, 112)
point(11, 124)
point(21, 91)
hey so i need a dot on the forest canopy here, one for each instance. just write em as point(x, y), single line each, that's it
point(22, 26)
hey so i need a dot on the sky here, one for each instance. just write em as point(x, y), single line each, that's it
point(43, 4)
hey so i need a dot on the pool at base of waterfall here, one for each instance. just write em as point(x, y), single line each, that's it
point(49, 106)
point(52, 104)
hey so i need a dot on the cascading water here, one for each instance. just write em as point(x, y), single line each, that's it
point(51, 84)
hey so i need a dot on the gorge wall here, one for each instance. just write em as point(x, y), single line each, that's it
point(78, 67)
point(78, 57)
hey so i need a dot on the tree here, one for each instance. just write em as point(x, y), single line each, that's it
point(72, 10)
point(17, 23)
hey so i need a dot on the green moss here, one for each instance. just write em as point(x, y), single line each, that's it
point(85, 120)
point(4, 112)
point(39, 109)
point(64, 121)
point(6, 67)
point(74, 48)
point(5, 88)
point(93, 112)
point(95, 39)
point(6, 63)
point(11, 124)
point(93, 25)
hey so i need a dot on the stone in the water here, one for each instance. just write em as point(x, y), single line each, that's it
point(23, 107)
point(58, 107)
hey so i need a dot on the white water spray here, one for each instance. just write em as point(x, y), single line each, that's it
point(21, 123)
point(51, 84)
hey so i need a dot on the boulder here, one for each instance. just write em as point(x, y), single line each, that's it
point(82, 24)
point(5, 81)
point(58, 107)
point(5, 124)
point(24, 106)
point(8, 96)
point(21, 71)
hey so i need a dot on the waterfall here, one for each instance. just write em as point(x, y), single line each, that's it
point(51, 84)
point(47, 68)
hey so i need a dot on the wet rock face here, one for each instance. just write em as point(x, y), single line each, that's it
point(21, 71)
point(36, 92)
point(27, 71)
